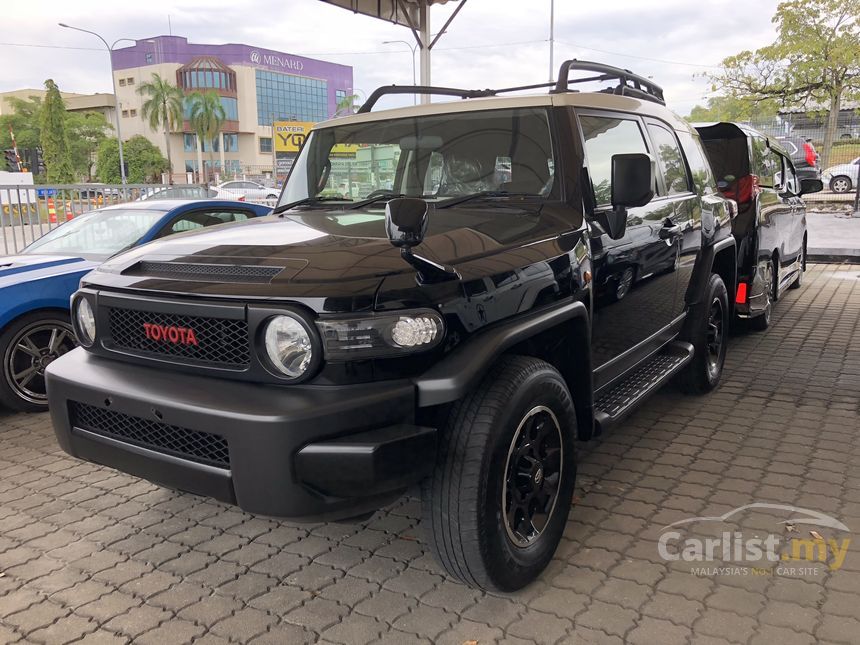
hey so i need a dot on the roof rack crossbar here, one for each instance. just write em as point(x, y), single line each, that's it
point(379, 92)
point(629, 84)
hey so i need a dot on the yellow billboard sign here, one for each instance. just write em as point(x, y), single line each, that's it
point(290, 135)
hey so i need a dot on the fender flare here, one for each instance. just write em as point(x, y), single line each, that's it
point(452, 377)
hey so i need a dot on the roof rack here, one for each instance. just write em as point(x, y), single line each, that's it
point(629, 84)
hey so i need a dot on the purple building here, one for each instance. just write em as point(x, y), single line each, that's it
point(256, 87)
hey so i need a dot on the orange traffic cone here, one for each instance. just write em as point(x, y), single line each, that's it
point(52, 212)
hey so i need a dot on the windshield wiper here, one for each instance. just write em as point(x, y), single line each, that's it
point(453, 201)
point(376, 198)
point(307, 200)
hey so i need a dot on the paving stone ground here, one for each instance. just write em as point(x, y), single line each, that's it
point(91, 555)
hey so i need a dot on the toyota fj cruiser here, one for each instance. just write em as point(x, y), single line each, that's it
point(449, 294)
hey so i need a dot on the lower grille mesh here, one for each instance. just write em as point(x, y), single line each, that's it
point(200, 447)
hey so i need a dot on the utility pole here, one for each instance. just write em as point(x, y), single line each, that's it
point(115, 99)
point(274, 154)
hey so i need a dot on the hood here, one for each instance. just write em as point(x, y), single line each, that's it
point(322, 253)
point(16, 269)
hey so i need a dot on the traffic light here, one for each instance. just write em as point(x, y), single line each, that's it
point(32, 160)
point(11, 160)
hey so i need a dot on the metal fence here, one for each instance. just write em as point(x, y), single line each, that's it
point(27, 212)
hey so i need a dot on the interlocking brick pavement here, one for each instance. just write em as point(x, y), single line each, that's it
point(90, 555)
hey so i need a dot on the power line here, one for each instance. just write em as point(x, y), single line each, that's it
point(90, 49)
point(656, 60)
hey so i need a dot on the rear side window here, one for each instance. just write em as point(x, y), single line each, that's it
point(604, 137)
point(766, 164)
point(702, 175)
point(670, 159)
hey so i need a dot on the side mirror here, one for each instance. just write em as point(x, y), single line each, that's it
point(810, 185)
point(633, 177)
point(406, 221)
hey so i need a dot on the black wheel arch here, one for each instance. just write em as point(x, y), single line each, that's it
point(721, 258)
point(559, 335)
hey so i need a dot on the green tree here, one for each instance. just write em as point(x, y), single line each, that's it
point(730, 108)
point(145, 161)
point(206, 115)
point(54, 137)
point(347, 105)
point(86, 132)
point(162, 107)
point(24, 121)
point(814, 61)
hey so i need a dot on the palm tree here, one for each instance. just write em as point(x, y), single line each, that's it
point(347, 105)
point(206, 115)
point(162, 108)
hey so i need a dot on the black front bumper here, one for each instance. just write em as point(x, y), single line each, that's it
point(303, 452)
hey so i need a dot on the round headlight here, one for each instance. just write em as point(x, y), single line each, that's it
point(86, 322)
point(288, 346)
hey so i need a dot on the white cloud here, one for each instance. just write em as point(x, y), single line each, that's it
point(514, 30)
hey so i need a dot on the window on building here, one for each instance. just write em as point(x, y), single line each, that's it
point(190, 142)
point(148, 57)
point(130, 81)
point(266, 145)
point(231, 142)
point(283, 97)
point(231, 108)
point(122, 82)
point(132, 112)
point(125, 114)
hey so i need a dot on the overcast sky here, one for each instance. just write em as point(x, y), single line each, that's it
point(491, 43)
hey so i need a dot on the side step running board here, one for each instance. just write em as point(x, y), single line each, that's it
point(618, 400)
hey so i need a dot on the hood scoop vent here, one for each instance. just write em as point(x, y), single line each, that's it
point(205, 272)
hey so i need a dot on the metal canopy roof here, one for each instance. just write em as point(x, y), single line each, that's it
point(414, 14)
point(400, 12)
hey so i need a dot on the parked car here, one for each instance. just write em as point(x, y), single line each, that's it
point(842, 178)
point(803, 155)
point(245, 190)
point(770, 227)
point(35, 286)
point(318, 363)
point(180, 192)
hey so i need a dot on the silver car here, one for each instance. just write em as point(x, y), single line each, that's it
point(842, 178)
point(245, 190)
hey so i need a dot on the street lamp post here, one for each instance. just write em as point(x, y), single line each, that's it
point(414, 48)
point(115, 100)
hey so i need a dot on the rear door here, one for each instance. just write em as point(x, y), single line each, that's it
point(634, 277)
point(682, 230)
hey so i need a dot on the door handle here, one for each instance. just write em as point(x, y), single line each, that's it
point(670, 231)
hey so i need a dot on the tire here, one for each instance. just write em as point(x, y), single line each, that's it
point(20, 388)
point(798, 281)
point(704, 371)
point(840, 184)
point(762, 321)
point(467, 501)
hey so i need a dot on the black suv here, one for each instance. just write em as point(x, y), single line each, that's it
point(448, 294)
point(770, 227)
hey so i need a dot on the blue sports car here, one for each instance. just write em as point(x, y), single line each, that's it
point(36, 285)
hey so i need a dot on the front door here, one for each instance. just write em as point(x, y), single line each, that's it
point(634, 277)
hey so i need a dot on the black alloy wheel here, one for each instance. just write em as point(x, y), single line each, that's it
point(532, 476)
point(28, 349)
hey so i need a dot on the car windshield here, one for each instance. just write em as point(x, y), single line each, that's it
point(439, 156)
point(99, 234)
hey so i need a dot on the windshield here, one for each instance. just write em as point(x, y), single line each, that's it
point(434, 157)
point(97, 234)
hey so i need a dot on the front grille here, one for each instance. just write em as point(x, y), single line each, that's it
point(200, 447)
point(219, 272)
point(220, 342)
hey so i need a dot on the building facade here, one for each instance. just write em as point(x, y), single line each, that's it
point(102, 103)
point(256, 87)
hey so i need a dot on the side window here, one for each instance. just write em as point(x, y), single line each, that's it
point(670, 159)
point(604, 137)
point(700, 167)
point(200, 219)
point(791, 183)
point(766, 164)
